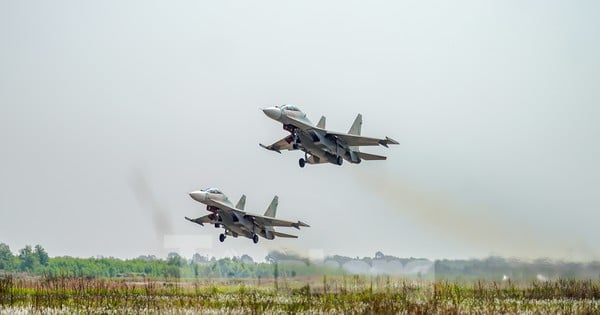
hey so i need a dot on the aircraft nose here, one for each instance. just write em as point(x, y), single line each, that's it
point(198, 195)
point(272, 112)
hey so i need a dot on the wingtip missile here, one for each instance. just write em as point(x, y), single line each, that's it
point(299, 224)
point(391, 141)
point(385, 142)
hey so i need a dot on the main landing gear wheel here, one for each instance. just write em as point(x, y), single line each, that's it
point(339, 160)
point(222, 237)
point(302, 162)
point(255, 238)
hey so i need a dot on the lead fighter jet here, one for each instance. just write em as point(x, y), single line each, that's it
point(321, 145)
point(238, 222)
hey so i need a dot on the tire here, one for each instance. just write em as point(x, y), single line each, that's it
point(217, 225)
point(302, 162)
point(222, 237)
point(255, 238)
point(339, 160)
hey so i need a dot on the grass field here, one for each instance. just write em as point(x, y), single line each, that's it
point(331, 295)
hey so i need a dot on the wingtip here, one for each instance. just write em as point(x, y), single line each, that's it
point(270, 149)
point(385, 142)
point(391, 141)
point(192, 220)
point(300, 223)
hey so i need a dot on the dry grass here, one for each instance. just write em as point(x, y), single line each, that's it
point(337, 295)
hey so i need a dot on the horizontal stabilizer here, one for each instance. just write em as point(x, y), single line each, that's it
point(369, 157)
point(279, 234)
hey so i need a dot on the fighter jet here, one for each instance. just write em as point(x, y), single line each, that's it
point(238, 222)
point(321, 145)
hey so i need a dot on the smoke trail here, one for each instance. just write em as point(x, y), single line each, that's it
point(147, 201)
point(475, 225)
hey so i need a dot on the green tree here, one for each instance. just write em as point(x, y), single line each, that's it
point(27, 259)
point(41, 255)
point(196, 271)
point(175, 259)
point(6, 258)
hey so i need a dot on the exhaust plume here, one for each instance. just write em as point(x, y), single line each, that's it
point(475, 225)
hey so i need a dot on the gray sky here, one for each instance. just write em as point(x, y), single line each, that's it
point(496, 106)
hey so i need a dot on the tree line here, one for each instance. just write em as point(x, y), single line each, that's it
point(35, 260)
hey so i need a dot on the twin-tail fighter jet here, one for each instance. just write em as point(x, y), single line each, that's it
point(321, 145)
point(238, 222)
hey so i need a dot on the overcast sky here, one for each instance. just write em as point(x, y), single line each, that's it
point(112, 111)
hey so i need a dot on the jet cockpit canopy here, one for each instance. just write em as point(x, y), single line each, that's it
point(289, 107)
point(213, 191)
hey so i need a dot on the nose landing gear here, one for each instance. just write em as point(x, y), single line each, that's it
point(255, 238)
point(222, 237)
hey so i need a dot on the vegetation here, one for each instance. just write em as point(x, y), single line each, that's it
point(332, 295)
point(33, 282)
point(35, 261)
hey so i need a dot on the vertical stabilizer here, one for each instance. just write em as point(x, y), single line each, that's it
point(321, 123)
point(356, 126)
point(242, 203)
point(355, 130)
point(272, 210)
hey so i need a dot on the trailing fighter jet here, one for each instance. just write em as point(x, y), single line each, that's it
point(238, 222)
point(321, 145)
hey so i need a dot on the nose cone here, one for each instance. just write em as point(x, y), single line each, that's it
point(199, 196)
point(272, 112)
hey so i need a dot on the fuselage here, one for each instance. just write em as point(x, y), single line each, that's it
point(234, 223)
point(309, 138)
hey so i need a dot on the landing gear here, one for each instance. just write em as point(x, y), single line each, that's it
point(222, 237)
point(303, 161)
point(255, 238)
point(217, 225)
point(338, 158)
point(295, 136)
